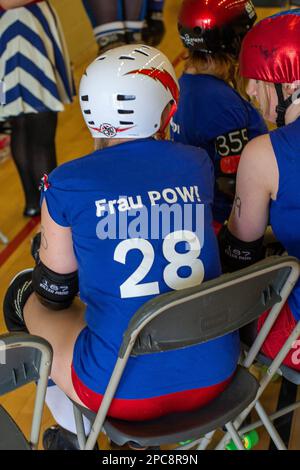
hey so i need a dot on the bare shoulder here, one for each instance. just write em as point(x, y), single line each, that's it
point(258, 160)
point(259, 150)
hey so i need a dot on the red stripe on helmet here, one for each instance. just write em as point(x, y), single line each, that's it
point(163, 77)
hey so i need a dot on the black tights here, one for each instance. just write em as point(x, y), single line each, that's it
point(105, 11)
point(33, 151)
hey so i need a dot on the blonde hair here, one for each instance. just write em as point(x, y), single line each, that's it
point(221, 65)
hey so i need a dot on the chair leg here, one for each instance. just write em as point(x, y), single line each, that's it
point(282, 412)
point(235, 436)
point(79, 427)
point(205, 441)
point(270, 427)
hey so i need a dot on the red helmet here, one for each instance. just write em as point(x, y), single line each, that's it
point(212, 26)
point(271, 50)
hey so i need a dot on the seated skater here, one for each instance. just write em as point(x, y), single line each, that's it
point(108, 228)
point(211, 113)
point(119, 22)
point(269, 171)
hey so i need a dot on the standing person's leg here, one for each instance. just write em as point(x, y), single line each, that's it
point(21, 157)
point(33, 151)
point(41, 131)
point(155, 29)
point(134, 18)
point(107, 21)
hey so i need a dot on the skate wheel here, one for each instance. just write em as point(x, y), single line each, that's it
point(185, 443)
point(249, 440)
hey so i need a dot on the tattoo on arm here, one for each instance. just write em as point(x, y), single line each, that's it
point(238, 206)
point(44, 241)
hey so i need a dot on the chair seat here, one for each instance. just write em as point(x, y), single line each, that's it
point(183, 426)
point(11, 437)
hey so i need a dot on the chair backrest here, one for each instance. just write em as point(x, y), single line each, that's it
point(20, 360)
point(213, 309)
point(25, 358)
point(193, 316)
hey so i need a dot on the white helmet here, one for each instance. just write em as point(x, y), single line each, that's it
point(124, 92)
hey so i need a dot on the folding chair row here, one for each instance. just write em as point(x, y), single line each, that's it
point(172, 321)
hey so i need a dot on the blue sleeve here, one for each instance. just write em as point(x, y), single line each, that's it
point(56, 197)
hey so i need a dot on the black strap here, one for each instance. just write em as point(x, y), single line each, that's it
point(282, 105)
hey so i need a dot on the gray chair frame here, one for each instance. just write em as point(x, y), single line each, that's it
point(292, 376)
point(274, 366)
point(24, 358)
point(210, 310)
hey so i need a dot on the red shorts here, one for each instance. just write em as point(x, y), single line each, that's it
point(150, 408)
point(280, 332)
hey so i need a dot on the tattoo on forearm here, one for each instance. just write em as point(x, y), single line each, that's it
point(238, 206)
point(43, 238)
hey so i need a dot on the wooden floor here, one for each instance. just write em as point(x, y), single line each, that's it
point(73, 140)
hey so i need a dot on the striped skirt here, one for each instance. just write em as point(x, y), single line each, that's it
point(35, 72)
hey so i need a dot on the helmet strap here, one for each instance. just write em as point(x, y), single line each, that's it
point(162, 130)
point(283, 105)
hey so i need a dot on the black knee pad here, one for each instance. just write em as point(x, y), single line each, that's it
point(15, 299)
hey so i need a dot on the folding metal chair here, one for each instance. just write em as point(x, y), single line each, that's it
point(183, 318)
point(23, 359)
point(287, 373)
point(274, 366)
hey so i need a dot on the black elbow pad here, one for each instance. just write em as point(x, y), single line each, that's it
point(35, 247)
point(55, 291)
point(237, 254)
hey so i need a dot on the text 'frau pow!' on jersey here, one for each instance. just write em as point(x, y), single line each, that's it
point(141, 221)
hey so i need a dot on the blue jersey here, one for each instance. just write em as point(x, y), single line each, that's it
point(212, 115)
point(140, 214)
point(285, 211)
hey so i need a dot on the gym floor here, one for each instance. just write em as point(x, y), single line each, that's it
point(73, 140)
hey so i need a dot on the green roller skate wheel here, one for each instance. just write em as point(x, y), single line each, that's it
point(249, 440)
point(185, 443)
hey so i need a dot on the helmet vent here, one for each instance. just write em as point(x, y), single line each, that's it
point(92, 123)
point(85, 98)
point(126, 123)
point(125, 111)
point(126, 57)
point(126, 97)
point(87, 111)
point(101, 58)
point(198, 30)
point(141, 52)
